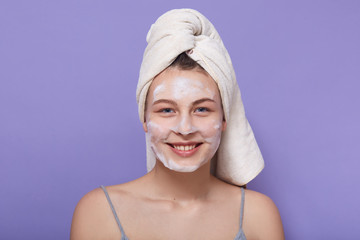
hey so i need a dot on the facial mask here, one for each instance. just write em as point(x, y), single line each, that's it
point(159, 136)
point(206, 131)
point(182, 88)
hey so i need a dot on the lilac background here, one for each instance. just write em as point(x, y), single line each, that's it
point(68, 115)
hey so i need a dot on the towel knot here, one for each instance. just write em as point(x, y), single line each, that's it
point(184, 26)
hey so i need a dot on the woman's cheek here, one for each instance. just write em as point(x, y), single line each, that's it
point(211, 132)
point(157, 131)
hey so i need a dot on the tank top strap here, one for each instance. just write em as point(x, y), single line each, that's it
point(123, 236)
point(242, 206)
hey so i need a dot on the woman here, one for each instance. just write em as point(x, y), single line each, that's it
point(200, 148)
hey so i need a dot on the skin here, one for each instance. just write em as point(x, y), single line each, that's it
point(168, 204)
point(184, 111)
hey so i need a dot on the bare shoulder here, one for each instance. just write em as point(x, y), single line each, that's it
point(93, 218)
point(259, 203)
point(261, 217)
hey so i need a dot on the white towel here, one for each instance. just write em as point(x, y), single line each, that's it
point(238, 159)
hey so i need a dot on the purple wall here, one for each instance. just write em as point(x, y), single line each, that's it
point(68, 115)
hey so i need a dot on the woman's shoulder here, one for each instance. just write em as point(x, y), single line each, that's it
point(95, 201)
point(91, 203)
point(261, 216)
point(262, 201)
point(93, 218)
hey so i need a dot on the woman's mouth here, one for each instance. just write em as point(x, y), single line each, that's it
point(184, 149)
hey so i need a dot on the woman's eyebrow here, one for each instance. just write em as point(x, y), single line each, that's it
point(165, 101)
point(203, 100)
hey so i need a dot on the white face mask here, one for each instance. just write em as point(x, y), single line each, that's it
point(184, 119)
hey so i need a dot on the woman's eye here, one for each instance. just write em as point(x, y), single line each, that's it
point(166, 110)
point(202, 109)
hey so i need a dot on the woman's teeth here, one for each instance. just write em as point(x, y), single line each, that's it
point(185, 148)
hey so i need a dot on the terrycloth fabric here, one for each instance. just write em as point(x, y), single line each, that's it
point(238, 159)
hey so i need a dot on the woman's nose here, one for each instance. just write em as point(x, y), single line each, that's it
point(185, 126)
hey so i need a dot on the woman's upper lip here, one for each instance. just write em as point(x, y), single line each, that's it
point(184, 143)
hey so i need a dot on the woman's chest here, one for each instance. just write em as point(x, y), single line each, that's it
point(192, 222)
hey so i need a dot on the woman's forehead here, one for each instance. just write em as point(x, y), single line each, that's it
point(179, 84)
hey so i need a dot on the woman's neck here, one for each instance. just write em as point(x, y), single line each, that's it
point(181, 186)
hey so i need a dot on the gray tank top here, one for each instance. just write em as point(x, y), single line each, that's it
point(239, 236)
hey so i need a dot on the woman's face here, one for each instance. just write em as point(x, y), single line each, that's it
point(184, 118)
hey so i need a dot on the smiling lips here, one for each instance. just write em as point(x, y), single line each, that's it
point(184, 149)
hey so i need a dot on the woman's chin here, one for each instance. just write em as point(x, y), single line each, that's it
point(178, 167)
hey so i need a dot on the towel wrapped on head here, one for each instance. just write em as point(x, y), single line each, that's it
point(238, 159)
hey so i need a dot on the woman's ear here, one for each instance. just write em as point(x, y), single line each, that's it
point(145, 127)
